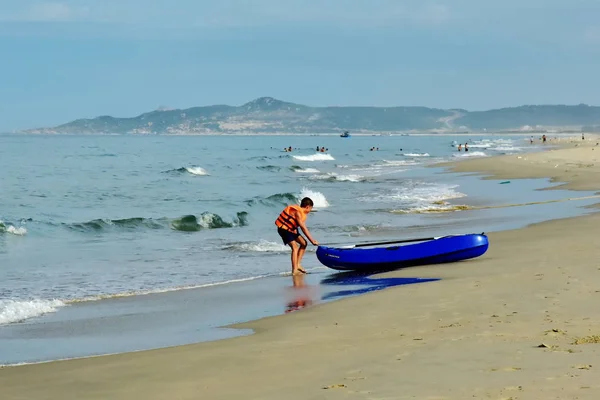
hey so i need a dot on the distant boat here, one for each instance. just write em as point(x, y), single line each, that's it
point(345, 134)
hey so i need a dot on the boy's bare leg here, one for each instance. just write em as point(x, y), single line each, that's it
point(301, 251)
point(295, 250)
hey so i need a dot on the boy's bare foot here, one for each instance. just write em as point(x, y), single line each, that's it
point(298, 272)
point(302, 270)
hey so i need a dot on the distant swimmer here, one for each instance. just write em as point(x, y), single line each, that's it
point(544, 138)
point(460, 147)
point(291, 218)
point(466, 147)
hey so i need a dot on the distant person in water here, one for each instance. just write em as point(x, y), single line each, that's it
point(543, 138)
point(460, 147)
point(466, 147)
point(291, 218)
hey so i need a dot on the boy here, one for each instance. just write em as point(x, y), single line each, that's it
point(288, 222)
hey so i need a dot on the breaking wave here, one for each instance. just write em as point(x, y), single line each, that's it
point(333, 177)
point(300, 170)
point(270, 168)
point(262, 246)
point(416, 154)
point(436, 208)
point(19, 310)
point(471, 154)
point(283, 199)
point(318, 198)
point(6, 227)
point(274, 200)
point(193, 170)
point(187, 223)
point(414, 195)
point(207, 220)
point(315, 157)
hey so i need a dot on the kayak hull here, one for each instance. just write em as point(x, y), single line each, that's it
point(366, 259)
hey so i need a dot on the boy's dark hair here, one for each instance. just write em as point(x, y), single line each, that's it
point(306, 202)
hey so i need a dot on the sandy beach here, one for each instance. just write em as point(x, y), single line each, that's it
point(521, 322)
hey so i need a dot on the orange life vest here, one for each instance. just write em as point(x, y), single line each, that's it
point(287, 221)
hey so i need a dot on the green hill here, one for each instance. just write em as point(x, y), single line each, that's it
point(269, 115)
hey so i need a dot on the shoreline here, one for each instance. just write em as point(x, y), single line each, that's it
point(361, 364)
point(572, 164)
point(361, 134)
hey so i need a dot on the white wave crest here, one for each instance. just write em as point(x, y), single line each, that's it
point(8, 228)
point(260, 246)
point(307, 171)
point(471, 154)
point(415, 195)
point(20, 231)
point(196, 170)
point(399, 162)
point(339, 178)
point(416, 154)
point(315, 157)
point(20, 310)
point(507, 148)
point(318, 198)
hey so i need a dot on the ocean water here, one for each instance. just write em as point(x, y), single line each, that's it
point(86, 218)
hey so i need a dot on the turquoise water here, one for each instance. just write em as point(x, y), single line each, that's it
point(92, 217)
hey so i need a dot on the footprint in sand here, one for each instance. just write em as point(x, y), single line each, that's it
point(335, 386)
point(582, 366)
point(507, 369)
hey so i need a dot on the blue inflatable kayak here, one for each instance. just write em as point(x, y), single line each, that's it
point(437, 250)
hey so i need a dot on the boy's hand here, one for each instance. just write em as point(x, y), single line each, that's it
point(315, 243)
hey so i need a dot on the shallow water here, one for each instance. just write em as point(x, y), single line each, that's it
point(86, 218)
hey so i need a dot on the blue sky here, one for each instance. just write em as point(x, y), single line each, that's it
point(67, 59)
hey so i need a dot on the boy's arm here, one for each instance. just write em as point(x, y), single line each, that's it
point(302, 226)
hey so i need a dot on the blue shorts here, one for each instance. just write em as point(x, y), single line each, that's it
point(287, 236)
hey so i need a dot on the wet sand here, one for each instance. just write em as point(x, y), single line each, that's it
point(520, 322)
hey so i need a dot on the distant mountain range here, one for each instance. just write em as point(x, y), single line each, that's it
point(269, 115)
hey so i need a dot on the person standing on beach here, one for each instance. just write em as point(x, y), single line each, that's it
point(291, 218)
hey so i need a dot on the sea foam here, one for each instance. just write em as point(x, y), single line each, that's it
point(471, 154)
point(263, 246)
point(20, 310)
point(196, 170)
point(315, 157)
point(8, 228)
point(318, 198)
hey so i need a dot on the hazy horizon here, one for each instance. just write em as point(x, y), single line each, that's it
point(69, 59)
